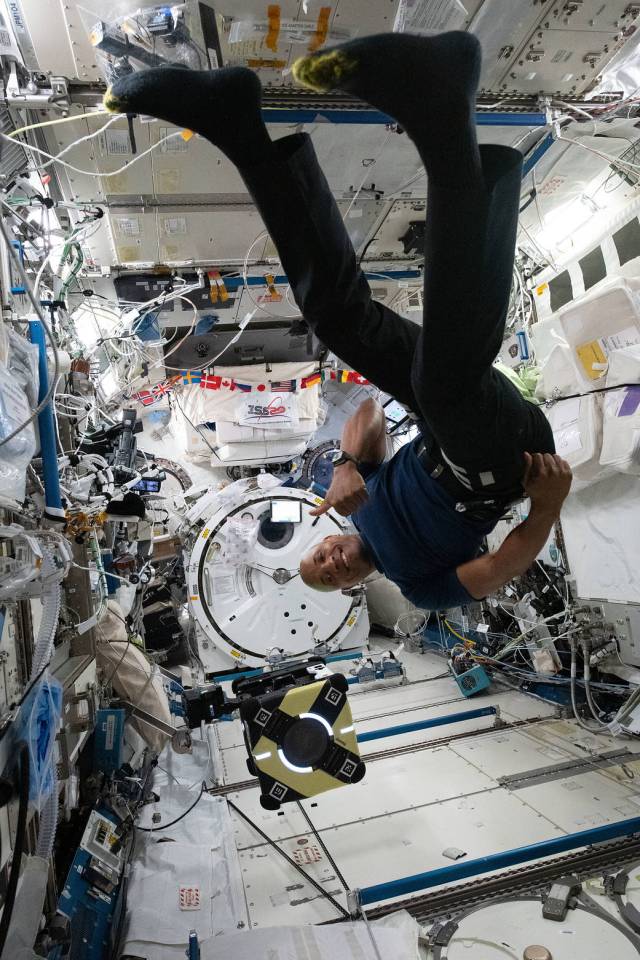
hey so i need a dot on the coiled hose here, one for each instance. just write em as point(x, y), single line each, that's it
point(51, 599)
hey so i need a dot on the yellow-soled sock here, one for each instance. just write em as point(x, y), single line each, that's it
point(112, 103)
point(322, 71)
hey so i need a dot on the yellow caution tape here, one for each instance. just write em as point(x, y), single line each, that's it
point(322, 28)
point(273, 17)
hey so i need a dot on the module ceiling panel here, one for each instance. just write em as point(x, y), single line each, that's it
point(556, 47)
point(183, 235)
point(387, 237)
point(270, 59)
point(371, 155)
point(59, 32)
point(552, 46)
point(193, 167)
point(350, 155)
point(59, 37)
point(360, 218)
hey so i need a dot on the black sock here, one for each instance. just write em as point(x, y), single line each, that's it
point(222, 105)
point(427, 84)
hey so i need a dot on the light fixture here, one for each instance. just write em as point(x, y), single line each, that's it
point(561, 224)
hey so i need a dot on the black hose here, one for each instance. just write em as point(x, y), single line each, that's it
point(18, 850)
point(290, 861)
point(177, 819)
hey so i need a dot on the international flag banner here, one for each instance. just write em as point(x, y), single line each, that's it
point(208, 381)
point(344, 376)
point(145, 397)
point(283, 386)
point(189, 376)
point(310, 381)
point(160, 389)
point(244, 387)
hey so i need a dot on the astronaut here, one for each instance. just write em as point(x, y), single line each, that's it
point(420, 517)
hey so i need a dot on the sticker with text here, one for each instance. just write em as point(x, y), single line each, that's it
point(189, 898)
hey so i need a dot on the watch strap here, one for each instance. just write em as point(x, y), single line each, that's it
point(345, 458)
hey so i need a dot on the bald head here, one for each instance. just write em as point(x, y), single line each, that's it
point(336, 563)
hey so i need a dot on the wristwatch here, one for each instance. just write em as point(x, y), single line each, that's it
point(341, 457)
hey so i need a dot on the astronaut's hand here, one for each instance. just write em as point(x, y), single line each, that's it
point(347, 493)
point(547, 480)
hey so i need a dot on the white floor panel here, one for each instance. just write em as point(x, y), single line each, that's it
point(287, 822)
point(434, 777)
point(414, 841)
point(410, 807)
point(569, 736)
point(517, 706)
point(512, 752)
point(228, 733)
point(399, 783)
point(277, 895)
point(425, 736)
point(383, 702)
point(587, 800)
point(233, 762)
point(393, 846)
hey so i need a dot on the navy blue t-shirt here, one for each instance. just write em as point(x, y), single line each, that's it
point(413, 532)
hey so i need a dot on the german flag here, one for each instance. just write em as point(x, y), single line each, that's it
point(311, 380)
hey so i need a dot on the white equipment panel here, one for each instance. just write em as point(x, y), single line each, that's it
point(249, 606)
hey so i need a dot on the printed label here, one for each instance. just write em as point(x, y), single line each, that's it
point(274, 411)
point(127, 226)
point(594, 355)
point(566, 432)
point(306, 855)
point(175, 144)
point(175, 226)
point(428, 16)
point(110, 731)
point(115, 143)
point(189, 898)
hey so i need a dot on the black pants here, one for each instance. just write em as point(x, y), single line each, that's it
point(473, 418)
